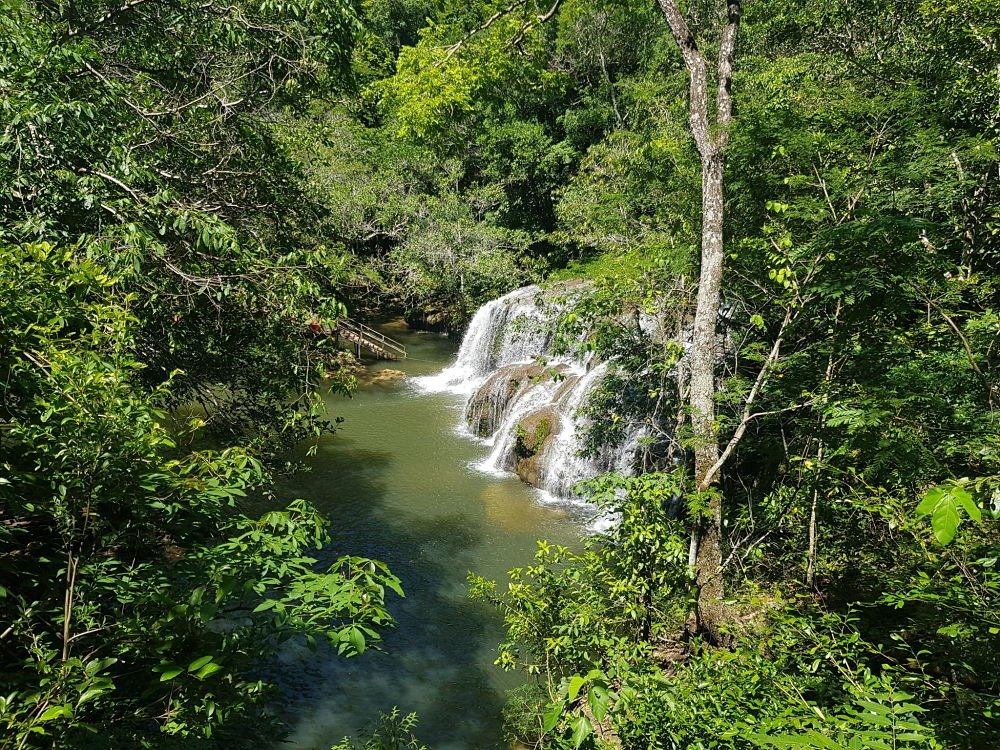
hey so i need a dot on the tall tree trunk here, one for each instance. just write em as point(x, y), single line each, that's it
point(704, 355)
point(711, 137)
point(813, 541)
point(72, 562)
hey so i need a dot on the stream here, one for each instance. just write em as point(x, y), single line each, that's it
point(397, 483)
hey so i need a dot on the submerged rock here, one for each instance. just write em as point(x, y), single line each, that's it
point(514, 511)
point(383, 377)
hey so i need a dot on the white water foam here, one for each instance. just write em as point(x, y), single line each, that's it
point(508, 330)
point(518, 329)
point(530, 400)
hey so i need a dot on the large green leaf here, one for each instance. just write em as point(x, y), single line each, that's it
point(552, 714)
point(598, 698)
point(943, 503)
point(581, 730)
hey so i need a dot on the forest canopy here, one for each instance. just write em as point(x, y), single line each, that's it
point(806, 557)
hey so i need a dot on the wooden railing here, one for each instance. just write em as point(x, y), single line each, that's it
point(367, 338)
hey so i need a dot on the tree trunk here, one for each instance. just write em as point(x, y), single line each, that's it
point(704, 355)
point(711, 139)
point(814, 511)
point(813, 542)
point(71, 566)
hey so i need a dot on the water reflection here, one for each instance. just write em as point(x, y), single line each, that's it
point(395, 482)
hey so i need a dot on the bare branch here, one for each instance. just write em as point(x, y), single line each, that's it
point(453, 48)
point(954, 326)
point(136, 195)
point(759, 383)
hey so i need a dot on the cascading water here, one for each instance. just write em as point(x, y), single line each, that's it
point(564, 458)
point(529, 401)
point(504, 331)
point(525, 399)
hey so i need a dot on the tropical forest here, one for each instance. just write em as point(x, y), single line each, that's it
point(500, 374)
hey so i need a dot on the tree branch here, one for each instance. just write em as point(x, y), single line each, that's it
point(759, 383)
point(727, 50)
point(452, 49)
point(694, 61)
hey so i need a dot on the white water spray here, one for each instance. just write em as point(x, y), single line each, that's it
point(507, 370)
point(508, 330)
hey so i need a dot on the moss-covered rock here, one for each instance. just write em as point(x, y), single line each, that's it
point(485, 410)
point(533, 433)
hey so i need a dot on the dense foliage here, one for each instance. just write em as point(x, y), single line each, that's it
point(857, 398)
point(184, 185)
point(158, 266)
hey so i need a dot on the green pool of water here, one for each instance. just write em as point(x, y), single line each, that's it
point(396, 482)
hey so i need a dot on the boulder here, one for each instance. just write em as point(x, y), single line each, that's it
point(485, 410)
point(533, 434)
point(382, 377)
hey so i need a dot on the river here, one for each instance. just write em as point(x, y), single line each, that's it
point(396, 482)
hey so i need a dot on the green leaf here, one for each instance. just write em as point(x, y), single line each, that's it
point(783, 740)
point(942, 503)
point(552, 714)
point(575, 683)
point(199, 663)
point(56, 712)
point(875, 708)
point(168, 671)
point(357, 640)
point(90, 694)
point(95, 666)
point(930, 500)
point(581, 730)
point(966, 501)
point(207, 670)
point(598, 698)
point(815, 739)
point(944, 522)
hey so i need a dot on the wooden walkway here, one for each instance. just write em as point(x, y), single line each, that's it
point(362, 337)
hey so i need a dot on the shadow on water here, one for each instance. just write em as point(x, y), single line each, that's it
point(394, 482)
point(427, 662)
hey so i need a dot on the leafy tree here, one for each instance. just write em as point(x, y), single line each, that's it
point(392, 732)
point(855, 369)
point(140, 134)
point(136, 594)
point(158, 252)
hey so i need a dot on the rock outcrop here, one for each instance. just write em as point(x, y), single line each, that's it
point(486, 407)
point(533, 433)
point(526, 397)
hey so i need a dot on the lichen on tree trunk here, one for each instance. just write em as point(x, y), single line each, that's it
point(711, 136)
point(711, 612)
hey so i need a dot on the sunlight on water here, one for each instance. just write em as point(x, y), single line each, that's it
point(512, 511)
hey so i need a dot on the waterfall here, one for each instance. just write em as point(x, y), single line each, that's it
point(564, 458)
point(508, 330)
point(530, 400)
point(525, 399)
